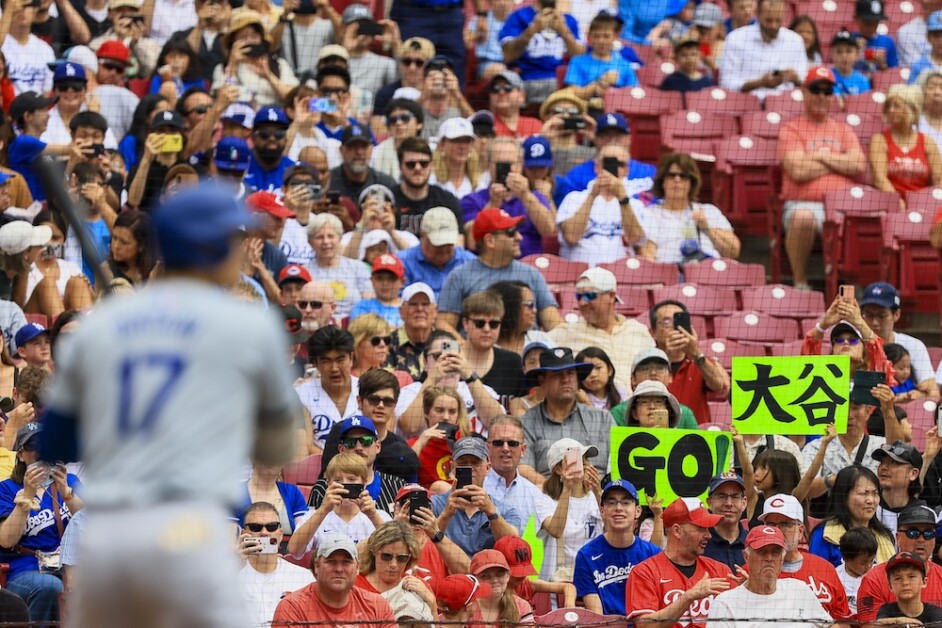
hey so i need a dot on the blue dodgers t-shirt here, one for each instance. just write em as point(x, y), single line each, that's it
point(389, 313)
point(878, 41)
point(583, 69)
point(42, 533)
point(20, 155)
point(543, 54)
point(295, 503)
point(259, 179)
point(603, 569)
point(640, 178)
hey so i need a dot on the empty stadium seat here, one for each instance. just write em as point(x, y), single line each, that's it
point(725, 273)
point(636, 271)
point(756, 328)
point(787, 104)
point(882, 81)
point(868, 104)
point(575, 617)
point(725, 350)
point(643, 106)
point(718, 100)
point(926, 201)
point(39, 319)
point(921, 414)
point(721, 416)
point(653, 74)
point(764, 124)
point(784, 301)
point(865, 126)
point(911, 264)
point(557, 271)
point(741, 185)
point(705, 301)
point(304, 471)
point(793, 347)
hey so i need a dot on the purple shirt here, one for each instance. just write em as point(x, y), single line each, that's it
point(472, 204)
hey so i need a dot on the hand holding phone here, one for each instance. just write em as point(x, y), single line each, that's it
point(269, 544)
point(847, 293)
point(572, 459)
point(501, 170)
point(661, 418)
point(610, 165)
point(682, 321)
point(353, 490)
point(862, 383)
point(463, 477)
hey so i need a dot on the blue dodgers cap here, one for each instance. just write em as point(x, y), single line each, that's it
point(624, 485)
point(69, 71)
point(613, 120)
point(537, 153)
point(935, 22)
point(358, 422)
point(882, 294)
point(271, 115)
point(355, 132)
point(232, 153)
point(29, 332)
point(194, 228)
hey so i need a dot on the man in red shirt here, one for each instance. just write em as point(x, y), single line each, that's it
point(915, 533)
point(679, 583)
point(784, 512)
point(333, 597)
point(505, 101)
point(818, 154)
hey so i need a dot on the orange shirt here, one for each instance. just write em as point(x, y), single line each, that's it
point(802, 134)
point(526, 127)
point(305, 605)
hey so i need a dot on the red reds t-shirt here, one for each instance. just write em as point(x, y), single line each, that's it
point(304, 605)
point(874, 591)
point(655, 583)
point(824, 582)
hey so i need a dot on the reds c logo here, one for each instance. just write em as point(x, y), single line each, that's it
point(776, 502)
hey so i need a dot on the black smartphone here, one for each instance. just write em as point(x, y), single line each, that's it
point(333, 197)
point(353, 490)
point(548, 4)
point(436, 64)
point(450, 429)
point(96, 150)
point(418, 500)
point(682, 321)
point(610, 165)
point(863, 382)
point(369, 28)
point(256, 50)
point(576, 123)
point(134, 18)
point(463, 477)
point(501, 170)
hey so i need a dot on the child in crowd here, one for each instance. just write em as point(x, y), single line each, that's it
point(676, 25)
point(592, 73)
point(483, 34)
point(844, 54)
point(456, 595)
point(32, 345)
point(858, 550)
point(708, 26)
point(445, 412)
point(907, 576)
point(387, 278)
point(906, 389)
point(879, 50)
point(501, 606)
point(687, 77)
point(600, 385)
point(520, 561)
point(805, 27)
point(347, 507)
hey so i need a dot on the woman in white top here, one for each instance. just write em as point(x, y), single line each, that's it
point(456, 166)
point(54, 284)
point(350, 278)
point(930, 122)
point(678, 222)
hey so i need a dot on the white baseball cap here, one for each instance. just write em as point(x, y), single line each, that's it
point(783, 504)
point(557, 451)
point(456, 128)
point(418, 288)
point(334, 542)
point(18, 235)
point(440, 225)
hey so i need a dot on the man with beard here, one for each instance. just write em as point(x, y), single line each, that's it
point(414, 195)
point(355, 173)
point(317, 304)
point(268, 163)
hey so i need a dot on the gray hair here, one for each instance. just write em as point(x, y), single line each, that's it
point(321, 220)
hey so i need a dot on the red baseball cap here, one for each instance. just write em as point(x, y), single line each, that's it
point(518, 554)
point(266, 202)
point(389, 263)
point(763, 536)
point(492, 219)
point(408, 489)
point(294, 272)
point(689, 510)
point(115, 50)
point(458, 590)
point(819, 73)
point(485, 559)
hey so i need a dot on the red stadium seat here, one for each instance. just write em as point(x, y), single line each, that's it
point(741, 184)
point(935, 356)
point(718, 100)
point(575, 617)
point(647, 54)
point(643, 106)
point(725, 273)
point(653, 74)
point(304, 561)
point(636, 271)
point(304, 471)
point(867, 104)
point(829, 17)
point(706, 301)
point(787, 104)
point(921, 414)
point(39, 319)
point(784, 301)
point(764, 124)
point(721, 415)
point(910, 262)
point(756, 328)
point(725, 350)
point(792, 347)
point(927, 201)
point(697, 133)
point(853, 235)
point(882, 81)
point(558, 272)
point(864, 126)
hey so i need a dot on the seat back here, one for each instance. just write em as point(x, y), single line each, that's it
point(783, 301)
point(911, 262)
point(724, 350)
point(555, 269)
point(741, 181)
point(643, 106)
point(636, 271)
point(756, 328)
point(725, 273)
point(718, 100)
point(706, 301)
point(304, 471)
point(786, 104)
point(764, 124)
point(576, 617)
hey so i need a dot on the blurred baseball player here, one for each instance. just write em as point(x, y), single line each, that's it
point(164, 395)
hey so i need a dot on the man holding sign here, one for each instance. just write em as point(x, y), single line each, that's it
point(679, 583)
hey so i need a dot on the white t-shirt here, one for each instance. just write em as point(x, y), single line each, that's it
point(918, 356)
point(358, 528)
point(323, 411)
point(171, 16)
point(26, 64)
point(602, 242)
point(263, 591)
point(851, 585)
point(58, 133)
point(792, 600)
point(67, 270)
point(583, 523)
point(668, 229)
point(294, 243)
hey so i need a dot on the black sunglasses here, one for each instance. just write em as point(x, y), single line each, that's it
point(416, 62)
point(480, 323)
point(333, 91)
point(350, 442)
point(314, 305)
point(510, 232)
point(496, 89)
point(821, 90)
point(278, 134)
point(74, 86)
point(198, 109)
point(386, 340)
point(412, 164)
point(399, 117)
point(513, 444)
point(271, 526)
point(914, 534)
point(567, 111)
point(114, 67)
point(677, 175)
point(376, 400)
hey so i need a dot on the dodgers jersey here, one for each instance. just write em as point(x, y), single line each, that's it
point(167, 386)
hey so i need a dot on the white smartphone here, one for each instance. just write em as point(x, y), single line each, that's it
point(269, 544)
point(572, 456)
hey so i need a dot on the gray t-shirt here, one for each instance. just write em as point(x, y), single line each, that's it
point(167, 386)
point(117, 105)
point(371, 71)
point(310, 39)
point(475, 276)
point(350, 281)
point(432, 123)
point(588, 425)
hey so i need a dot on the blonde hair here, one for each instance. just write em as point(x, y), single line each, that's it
point(472, 168)
point(434, 392)
point(366, 326)
point(347, 463)
point(387, 534)
point(909, 95)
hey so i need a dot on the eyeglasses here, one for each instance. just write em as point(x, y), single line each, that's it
point(914, 534)
point(529, 304)
point(567, 111)
point(386, 340)
point(412, 164)
point(114, 67)
point(499, 443)
point(388, 557)
point(412, 61)
point(683, 176)
point(506, 89)
point(333, 91)
point(821, 90)
point(782, 525)
point(727, 497)
point(846, 341)
point(399, 117)
point(587, 296)
point(277, 134)
point(271, 526)
point(875, 315)
point(376, 400)
point(615, 503)
point(651, 401)
point(200, 109)
point(434, 355)
point(510, 233)
point(70, 86)
point(351, 442)
point(314, 305)
point(480, 323)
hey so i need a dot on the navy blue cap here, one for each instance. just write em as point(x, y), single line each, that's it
point(882, 294)
point(232, 153)
point(271, 115)
point(355, 132)
point(195, 227)
point(613, 120)
point(624, 485)
point(537, 152)
point(167, 118)
point(69, 71)
point(723, 478)
point(28, 332)
point(358, 422)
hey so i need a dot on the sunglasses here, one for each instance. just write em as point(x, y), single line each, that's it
point(587, 296)
point(567, 111)
point(376, 400)
point(70, 86)
point(506, 89)
point(314, 305)
point(412, 164)
point(271, 526)
point(201, 109)
point(333, 91)
point(399, 117)
point(683, 176)
point(480, 323)
point(846, 341)
point(278, 134)
point(914, 534)
point(351, 442)
point(416, 62)
point(821, 90)
point(510, 233)
point(114, 67)
point(513, 444)
point(388, 557)
point(386, 340)
point(529, 304)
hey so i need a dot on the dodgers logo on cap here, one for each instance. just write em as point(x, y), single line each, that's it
point(611, 120)
point(537, 150)
point(69, 69)
point(355, 421)
point(273, 115)
point(559, 353)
